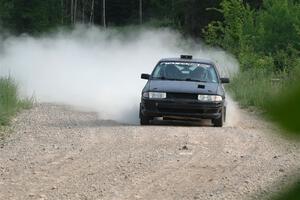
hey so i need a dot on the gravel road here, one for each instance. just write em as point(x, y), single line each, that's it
point(55, 152)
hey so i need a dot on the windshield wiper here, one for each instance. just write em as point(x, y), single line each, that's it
point(175, 79)
point(178, 79)
point(195, 80)
point(170, 79)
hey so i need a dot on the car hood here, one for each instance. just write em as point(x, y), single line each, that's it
point(183, 87)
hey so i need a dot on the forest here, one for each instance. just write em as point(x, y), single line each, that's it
point(35, 16)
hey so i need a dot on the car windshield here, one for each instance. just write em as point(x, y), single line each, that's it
point(185, 71)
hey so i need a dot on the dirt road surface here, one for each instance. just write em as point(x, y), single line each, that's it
point(57, 153)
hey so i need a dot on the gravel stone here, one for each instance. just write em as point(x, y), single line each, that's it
point(66, 154)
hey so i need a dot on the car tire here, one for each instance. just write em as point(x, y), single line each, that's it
point(219, 122)
point(144, 120)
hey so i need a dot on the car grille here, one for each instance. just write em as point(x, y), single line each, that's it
point(182, 96)
point(189, 110)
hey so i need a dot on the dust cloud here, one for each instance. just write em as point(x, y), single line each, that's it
point(97, 70)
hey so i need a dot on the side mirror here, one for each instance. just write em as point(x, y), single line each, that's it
point(145, 76)
point(225, 80)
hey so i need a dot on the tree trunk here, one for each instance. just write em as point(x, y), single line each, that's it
point(83, 10)
point(141, 11)
point(62, 11)
point(104, 13)
point(92, 12)
point(72, 9)
point(75, 11)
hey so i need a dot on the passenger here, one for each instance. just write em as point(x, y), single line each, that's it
point(172, 72)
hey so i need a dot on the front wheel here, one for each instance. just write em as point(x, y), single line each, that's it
point(219, 122)
point(145, 120)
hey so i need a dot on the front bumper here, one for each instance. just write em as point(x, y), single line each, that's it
point(181, 108)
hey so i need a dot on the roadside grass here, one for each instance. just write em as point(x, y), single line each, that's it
point(256, 89)
point(4, 131)
point(10, 103)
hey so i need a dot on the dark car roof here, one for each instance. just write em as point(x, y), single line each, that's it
point(187, 60)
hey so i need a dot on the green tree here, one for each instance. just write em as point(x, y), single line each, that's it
point(278, 25)
point(29, 16)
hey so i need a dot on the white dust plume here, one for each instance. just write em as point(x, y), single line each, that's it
point(97, 70)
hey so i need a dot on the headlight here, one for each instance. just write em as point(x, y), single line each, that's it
point(155, 95)
point(209, 98)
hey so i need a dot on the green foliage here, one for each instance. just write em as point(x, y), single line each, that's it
point(165, 22)
point(290, 194)
point(266, 43)
point(188, 16)
point(213, 33)
point(36, 16)
point(277, 25)
point(32, 16)
point(9, 101)
point(238, 26)
point(271, 33)
point(236, 31)
point(286, 109)
point(256, 87)
point(251, 60)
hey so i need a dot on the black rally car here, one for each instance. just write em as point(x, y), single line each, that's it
point(184, 88)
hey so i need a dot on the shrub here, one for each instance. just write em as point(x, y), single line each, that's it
point(10, 103)
point(266, 43)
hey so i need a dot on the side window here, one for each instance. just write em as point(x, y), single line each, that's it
point(212, 75)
